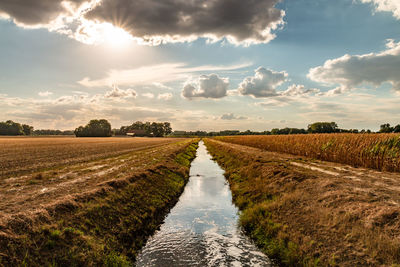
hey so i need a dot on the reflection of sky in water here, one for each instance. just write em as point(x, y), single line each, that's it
point(201, 229)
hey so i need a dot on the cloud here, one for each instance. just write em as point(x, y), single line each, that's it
point(45, 93)
point(70, 111)
point(386, 5)
point(152, 21)
point(275, 102)
point(155, 22)
point(231, 116)
point(336, 91)
point(148, 95)
point(154, 74)
point(350, 71)
point(119, 93)
point(161, 86)
point(165, 96)
point(37, 12)
point(298, 90)
point(208, 86)
point(135, 113)
point(263, 83)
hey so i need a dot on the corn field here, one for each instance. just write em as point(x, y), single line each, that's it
point(377, 151)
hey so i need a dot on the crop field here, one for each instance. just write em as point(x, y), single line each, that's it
point(377, 151)
point(307, 212)
point(19, 155)
point(57, 193)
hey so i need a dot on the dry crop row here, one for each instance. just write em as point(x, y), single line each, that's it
point(378, 151)
point(20, 155)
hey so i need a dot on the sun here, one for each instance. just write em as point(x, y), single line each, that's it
point(115, 36)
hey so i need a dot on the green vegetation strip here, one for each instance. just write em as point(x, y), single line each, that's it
point(250, 196)
point(108, 230)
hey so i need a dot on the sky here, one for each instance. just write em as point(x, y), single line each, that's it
point(200, 64)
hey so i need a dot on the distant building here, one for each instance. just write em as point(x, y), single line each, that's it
point(137, 133)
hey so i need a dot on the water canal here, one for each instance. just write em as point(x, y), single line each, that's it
point(202, 229)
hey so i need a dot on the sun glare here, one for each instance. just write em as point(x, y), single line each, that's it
point(115, 36)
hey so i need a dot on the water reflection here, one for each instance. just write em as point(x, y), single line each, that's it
point(201, 229)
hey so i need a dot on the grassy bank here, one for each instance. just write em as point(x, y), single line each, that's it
point(378, 151)
point(106, 228)
point(300, 217)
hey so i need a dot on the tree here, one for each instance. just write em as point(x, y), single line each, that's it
point(396, 129)
point(11, 128)
point(385, 128)
point(323, 127)
point(27, 129)
point(95, 128)
point(275, 131)
point(158, 129)
point(167, 128)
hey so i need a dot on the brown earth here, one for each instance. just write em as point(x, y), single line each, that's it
point(74, 168)
point(20, 155)
point(334, 213)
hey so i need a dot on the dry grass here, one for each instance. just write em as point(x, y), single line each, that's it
point(377, 151)
point(19, 155)
point(313, 214)
point(91, 213)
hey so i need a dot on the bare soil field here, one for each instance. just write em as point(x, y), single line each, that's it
point(20, 155)
point(306, 212)
point(76, 171)
point(129, 182)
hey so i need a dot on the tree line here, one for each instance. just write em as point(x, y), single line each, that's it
point(95, 128)
point(157, 129)
point(314, 128)
point(102, 128)
point(386, 128)
point(14, 128)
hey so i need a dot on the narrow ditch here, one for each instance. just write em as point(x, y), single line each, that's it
point(202, 229)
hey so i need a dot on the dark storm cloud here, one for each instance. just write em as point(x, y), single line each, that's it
point(34, 12)
point(158, 21)
point(249, 20)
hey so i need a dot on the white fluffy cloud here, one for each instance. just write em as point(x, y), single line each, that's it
point(263, 83)
point(386, 5)
point(350, 71)
point(207, 86)
point(117, 93)
point(152, 21)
